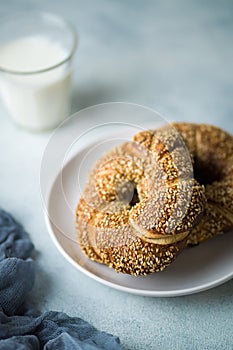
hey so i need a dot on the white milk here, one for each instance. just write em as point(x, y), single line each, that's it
point(36, 101)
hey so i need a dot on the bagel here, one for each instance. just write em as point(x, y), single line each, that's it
point(140, 204)
point(212, 151)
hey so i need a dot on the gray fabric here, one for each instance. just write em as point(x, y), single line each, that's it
point(18, 328)
point(14, 241)
point(16, 280)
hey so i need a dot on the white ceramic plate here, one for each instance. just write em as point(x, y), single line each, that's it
point(195, 270)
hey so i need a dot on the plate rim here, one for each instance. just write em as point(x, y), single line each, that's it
point(141, 292)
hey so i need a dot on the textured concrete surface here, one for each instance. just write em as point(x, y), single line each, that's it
point(176, 57)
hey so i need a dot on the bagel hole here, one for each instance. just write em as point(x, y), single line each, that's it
point(206, 174)
point(127, 192)
point(135, 198)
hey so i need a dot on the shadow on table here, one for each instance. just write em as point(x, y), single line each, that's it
point(83, 98)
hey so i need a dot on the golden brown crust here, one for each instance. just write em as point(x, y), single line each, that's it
point(147, 236)
point(212, 150)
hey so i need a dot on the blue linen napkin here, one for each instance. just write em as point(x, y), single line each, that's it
point(20, 328)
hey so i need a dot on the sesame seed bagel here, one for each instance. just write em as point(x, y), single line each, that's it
point(212, 151)
point(140, 204)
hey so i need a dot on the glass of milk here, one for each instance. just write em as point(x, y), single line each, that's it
point(36, 51)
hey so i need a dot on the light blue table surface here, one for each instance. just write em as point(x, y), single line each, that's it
point(176, 57)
